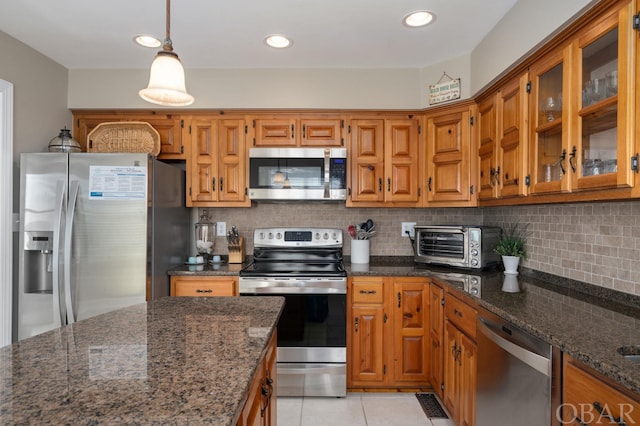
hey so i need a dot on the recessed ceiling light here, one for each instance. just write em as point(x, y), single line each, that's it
point(277, 41)
point(419, 18)
point(147, 41)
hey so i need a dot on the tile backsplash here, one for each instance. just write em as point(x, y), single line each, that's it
point(597, 243)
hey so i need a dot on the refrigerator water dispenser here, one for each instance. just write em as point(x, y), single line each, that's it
point(38, 258)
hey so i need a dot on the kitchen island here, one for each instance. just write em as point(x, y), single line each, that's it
point(170, 361)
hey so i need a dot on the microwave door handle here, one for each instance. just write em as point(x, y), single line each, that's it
point(327, 174)
point(58, 297)
point(73, 197)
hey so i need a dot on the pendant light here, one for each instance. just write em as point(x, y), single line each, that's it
point(166, 79)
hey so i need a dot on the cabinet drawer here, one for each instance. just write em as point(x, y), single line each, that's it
point(203, 287)
point(588, 399)
point(460, 314)
point(367, 292)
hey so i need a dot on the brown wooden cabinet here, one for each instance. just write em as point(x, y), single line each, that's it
point(588, 398)
point(459, 395)
point(170, 127)
point(260, 408)
point(582, 92)
point(217, 170)
point(206, 286)
point(503, 135)
point(292, 130)
point(436, 334)
point(388, 340)
point(384, 157)
point(450, 177)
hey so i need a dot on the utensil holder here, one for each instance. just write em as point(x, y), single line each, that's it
point(236, 252)
point(360, 251)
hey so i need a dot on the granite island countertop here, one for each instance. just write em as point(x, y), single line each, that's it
point(170, 361)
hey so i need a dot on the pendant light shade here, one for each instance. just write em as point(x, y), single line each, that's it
point(166, 80)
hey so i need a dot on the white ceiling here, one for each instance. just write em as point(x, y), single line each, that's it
point(91, 34)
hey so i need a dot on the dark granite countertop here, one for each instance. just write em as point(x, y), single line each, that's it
point(170, 361)
point(209, 269)
point(588, 322)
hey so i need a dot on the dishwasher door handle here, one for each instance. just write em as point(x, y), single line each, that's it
point(538, 362)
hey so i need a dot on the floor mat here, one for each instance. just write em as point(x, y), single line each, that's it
point(431, 406)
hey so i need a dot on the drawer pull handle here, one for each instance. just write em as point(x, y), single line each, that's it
point(457, 312)
point(204, 291)
point(357, 321)
point(367, 292)
point(618, 421)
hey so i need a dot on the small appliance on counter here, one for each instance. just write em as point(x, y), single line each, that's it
point(459, 246)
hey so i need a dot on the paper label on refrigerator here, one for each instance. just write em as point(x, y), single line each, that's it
point(117, 183)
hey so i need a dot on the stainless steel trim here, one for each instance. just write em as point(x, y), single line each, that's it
point(297, 194)
point(294, 285)
point(312, 354)
point(312, 380)
point(296, 152)
point(538, 362)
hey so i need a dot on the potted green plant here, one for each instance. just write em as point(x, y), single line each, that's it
point(511, 246)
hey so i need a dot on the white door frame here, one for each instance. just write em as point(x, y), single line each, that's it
point(6, 210)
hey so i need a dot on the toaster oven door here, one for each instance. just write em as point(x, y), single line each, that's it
point(447, 246)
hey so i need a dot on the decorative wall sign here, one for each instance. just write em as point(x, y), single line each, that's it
point(444, 91)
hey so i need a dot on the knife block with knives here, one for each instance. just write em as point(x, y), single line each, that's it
point(236, 246)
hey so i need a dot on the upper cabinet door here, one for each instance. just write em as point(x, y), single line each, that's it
point(550, 96)
point(604, 83)
point(276, 131)
point(321, 132)
point(488, 185)
point(512, 142)
point(367, 160)
point(231, 160)
point(449, 144)
point(401, 160)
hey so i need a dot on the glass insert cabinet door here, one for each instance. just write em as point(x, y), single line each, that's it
point(582, 109)
point(549, 116)
point(600, 153)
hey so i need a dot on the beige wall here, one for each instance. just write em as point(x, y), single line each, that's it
point(524, 27)
point(40, 98)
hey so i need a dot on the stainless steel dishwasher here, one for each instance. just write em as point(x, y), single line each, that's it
point(514, 375)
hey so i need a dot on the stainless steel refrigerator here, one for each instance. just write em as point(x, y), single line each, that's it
point(98, 232)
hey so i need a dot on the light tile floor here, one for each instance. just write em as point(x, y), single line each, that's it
point(357, 409)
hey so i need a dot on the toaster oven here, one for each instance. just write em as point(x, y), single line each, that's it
point(457, 246)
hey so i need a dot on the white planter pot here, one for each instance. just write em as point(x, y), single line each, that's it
point(511, 264)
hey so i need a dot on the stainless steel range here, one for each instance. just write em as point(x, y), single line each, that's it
point(305, 266)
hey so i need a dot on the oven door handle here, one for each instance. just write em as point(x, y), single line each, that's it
point(293, 290)
point(327, 173)
point(310, 369)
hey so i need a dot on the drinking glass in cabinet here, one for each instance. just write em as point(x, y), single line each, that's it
point(612, 83)
point(551, 107)
point(595, 90)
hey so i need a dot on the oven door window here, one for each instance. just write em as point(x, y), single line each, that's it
point(318, 320)
point(449, 245)
point(301, 173)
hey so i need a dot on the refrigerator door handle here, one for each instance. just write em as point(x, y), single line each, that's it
point(69, 296)
point(58, 292)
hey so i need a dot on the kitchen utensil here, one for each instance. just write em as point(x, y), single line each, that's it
point(370, 225)
point(352, 231)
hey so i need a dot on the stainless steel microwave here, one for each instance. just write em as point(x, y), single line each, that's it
point(458, 246)
point(298, 174)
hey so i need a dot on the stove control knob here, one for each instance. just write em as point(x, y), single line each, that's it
point(271, 235)
point(334, 236)
point(474, 252)
point(317, 236)
point(326, 236)
point(261, 236)
point(278, 236)
point(474, 262)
